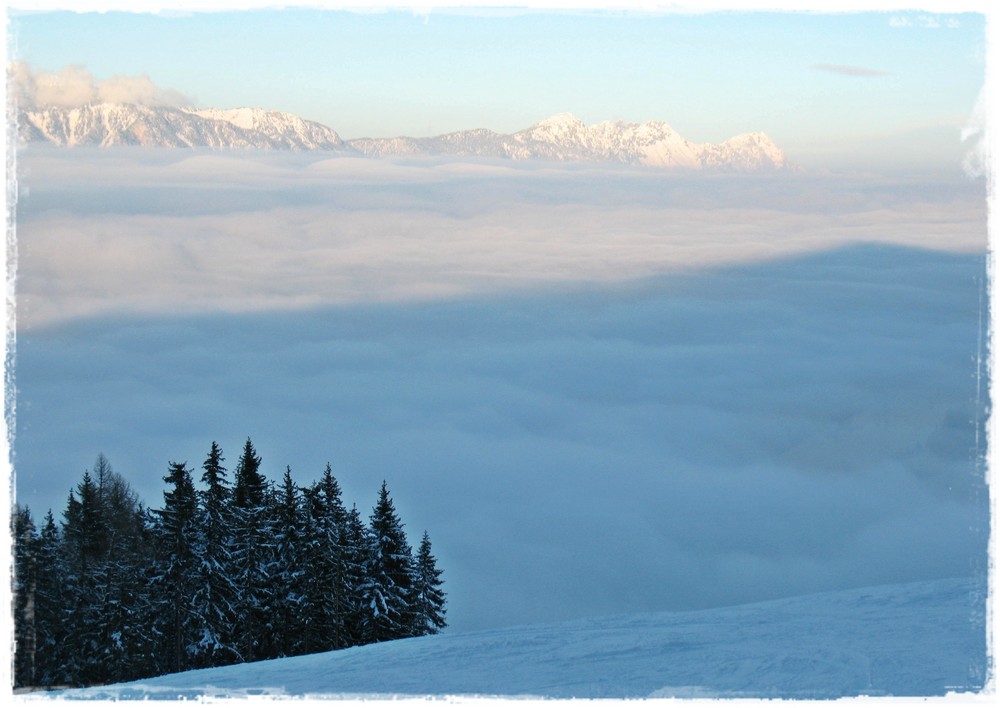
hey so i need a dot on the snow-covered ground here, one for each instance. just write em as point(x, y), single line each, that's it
point(917, 639)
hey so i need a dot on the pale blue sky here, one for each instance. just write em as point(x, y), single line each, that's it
point(831, 89)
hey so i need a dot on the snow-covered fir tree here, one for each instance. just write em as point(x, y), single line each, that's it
point(428, 597)
point(24, 581)
point(253, 554)
point(326, 604)
point(85, 637)
point(357, 545)
point(387, 593)
point(288, 574)
point(215, 592)
point(50, 601)
point(177, 567)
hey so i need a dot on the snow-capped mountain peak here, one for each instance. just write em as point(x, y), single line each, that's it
point(560, 127)
point(745, 151)
point(560, 120)
point(272, 123)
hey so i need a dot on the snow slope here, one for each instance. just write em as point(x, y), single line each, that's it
point(919, 639)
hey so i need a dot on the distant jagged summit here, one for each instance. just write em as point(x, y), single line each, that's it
point(280, 128)
point(562, 137)
point(566, 138)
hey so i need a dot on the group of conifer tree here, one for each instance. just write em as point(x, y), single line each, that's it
point(219, 575)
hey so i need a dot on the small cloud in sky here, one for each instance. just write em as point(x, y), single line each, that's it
point(75, 86)
point(137, 89)
point(846, 70)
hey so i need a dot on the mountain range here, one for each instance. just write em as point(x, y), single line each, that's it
point(562, 137)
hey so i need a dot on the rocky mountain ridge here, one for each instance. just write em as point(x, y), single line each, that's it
point(565, 138)
point(111, 124)
point(561, 138)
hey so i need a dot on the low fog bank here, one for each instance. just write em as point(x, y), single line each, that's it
point(677, 441)
point(185, 232)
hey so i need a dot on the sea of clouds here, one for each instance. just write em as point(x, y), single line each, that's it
point(600, 390)
point(173, 232)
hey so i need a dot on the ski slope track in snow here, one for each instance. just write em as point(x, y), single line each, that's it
point(913, 640)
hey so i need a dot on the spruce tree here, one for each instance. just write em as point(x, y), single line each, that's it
point(215, 592)
point(177, 566)
point(250, 485)
point(92, 536)
point(136, 583)
point(86, 632)
point(24, 586)
point(333, 574)
point(127, 641)
point(326, 589)
point(130, 646)
point(288, 573)
point(357, 548)
point(429, 599)
point(51, 602)
point(253, 554)
point(388, 588)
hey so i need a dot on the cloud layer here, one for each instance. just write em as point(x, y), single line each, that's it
point(174, 232)
point(746, 433)
point(75, 86)
point(599, 390)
